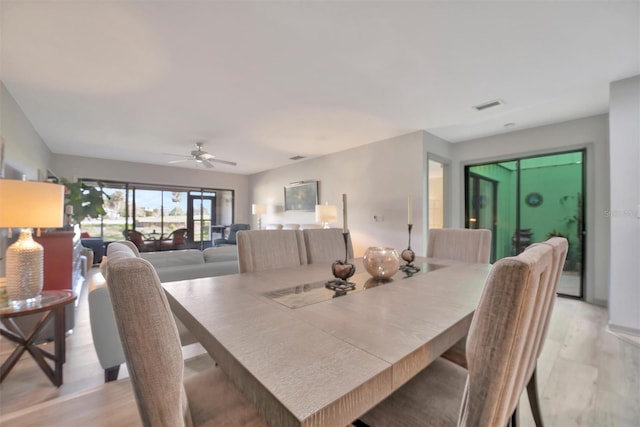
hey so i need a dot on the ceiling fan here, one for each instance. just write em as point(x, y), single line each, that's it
point(200, 156)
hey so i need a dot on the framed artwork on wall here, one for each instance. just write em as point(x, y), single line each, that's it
point(301, 196)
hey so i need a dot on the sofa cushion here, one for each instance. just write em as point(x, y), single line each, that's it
point(222, 253)
point(179, 258)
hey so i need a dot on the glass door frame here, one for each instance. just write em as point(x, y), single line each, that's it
point(581, 234)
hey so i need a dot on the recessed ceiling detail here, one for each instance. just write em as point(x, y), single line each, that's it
point(297, 157)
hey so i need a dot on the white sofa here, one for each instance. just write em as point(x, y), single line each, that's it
point(170, 266)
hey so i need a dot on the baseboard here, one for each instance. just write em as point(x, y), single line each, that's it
point(624, 329)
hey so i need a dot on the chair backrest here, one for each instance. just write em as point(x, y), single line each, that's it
point(309, 226)
point(326, 245)
point(273, 227)
point(460, 244)
point(179, 236)
point(560, 248)
point(149, 338)
point(233, 229)
point(504, 323)
point(291, 227)
point(134, 236)
point(268, 249)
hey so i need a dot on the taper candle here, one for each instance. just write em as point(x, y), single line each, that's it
point(345, 227)
point(409, 211)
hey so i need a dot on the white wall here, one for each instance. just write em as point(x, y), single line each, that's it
point(25, 152)
point(74, 167)
point(624, 123)
point(591, 133)
point(377, 179)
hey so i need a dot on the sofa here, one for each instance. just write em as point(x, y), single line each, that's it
point(170, 266)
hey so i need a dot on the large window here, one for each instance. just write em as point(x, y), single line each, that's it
point(157, 211)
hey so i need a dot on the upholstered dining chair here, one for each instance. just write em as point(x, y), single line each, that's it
point(487, 394)
point(291, 226)
point(260, 250)
point(154, 358)
point(560, 247)
point(273, 227)
point(460, 244)
point(231, 238)
point(326, 245)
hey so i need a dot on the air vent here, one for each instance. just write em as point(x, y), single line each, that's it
point(490, 104)
point(296, 157)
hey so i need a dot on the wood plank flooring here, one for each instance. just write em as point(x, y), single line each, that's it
point(588, 376)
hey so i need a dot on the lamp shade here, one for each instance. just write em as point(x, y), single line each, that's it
point(326, 213)
point(28, 204)
point(258, 209)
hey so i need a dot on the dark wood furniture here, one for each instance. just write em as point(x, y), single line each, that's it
point(53, 304)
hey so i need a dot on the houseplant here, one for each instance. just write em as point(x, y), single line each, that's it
point(87, 201)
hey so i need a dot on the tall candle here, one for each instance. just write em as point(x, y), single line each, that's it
point(409, 211)
point(345, 227)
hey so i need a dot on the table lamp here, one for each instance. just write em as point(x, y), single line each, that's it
point(26, 205)
point(259, 210)
point(326, 214)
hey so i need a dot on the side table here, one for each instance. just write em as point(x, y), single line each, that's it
point(52, 304)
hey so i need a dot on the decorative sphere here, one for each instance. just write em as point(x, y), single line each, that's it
point(381, 263)
point(408, 255)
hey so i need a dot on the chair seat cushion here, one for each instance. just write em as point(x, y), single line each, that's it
point(431, 398)
point(216, 401)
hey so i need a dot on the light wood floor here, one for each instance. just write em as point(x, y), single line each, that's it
point(587, 375)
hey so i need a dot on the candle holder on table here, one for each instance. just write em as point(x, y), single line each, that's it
point(409, 256)
point(342, 271)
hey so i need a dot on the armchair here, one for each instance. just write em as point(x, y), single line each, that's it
point(231, 239)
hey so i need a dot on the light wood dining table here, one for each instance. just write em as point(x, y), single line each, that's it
point(304, 358)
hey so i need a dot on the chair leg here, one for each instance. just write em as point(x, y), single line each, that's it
point(532, 392)
point(514, 420)
point(111, 374)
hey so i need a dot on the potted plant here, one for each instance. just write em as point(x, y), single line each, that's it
point(87, 201)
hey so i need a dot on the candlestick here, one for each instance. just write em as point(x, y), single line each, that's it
point(345, 227)
point(408, 255)
point(409, 211)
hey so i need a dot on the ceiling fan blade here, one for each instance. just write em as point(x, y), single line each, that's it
point(226, 162)
point(178, 161)
point(206, 163)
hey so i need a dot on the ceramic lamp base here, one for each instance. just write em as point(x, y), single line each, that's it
point(24, 271)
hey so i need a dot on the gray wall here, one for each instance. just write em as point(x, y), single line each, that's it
point(624, 290)
point(591, 133)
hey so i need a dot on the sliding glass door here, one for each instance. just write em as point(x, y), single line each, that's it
point(529, 200)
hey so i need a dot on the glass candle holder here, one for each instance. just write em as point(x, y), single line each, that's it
point(381, 263)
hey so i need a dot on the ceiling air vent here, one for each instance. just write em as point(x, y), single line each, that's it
point(489, 104)
point(296, 157)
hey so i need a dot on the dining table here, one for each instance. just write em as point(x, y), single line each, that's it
point(307, 356)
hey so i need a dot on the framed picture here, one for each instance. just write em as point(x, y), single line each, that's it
point(301, 196)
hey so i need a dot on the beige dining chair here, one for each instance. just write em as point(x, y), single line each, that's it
point(560, 247)
point(154, 357)
point(487, 394)
point(260, 250)
point(460, 244)
point(326, 245)
point(273, 227)
point(291, 226)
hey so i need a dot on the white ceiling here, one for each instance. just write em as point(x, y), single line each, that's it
point(260, 82)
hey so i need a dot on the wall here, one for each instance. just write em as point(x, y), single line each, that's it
point(377, 179)
point(591, 133)
point(624, 119)
point(25, 152)
point(74, 167)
